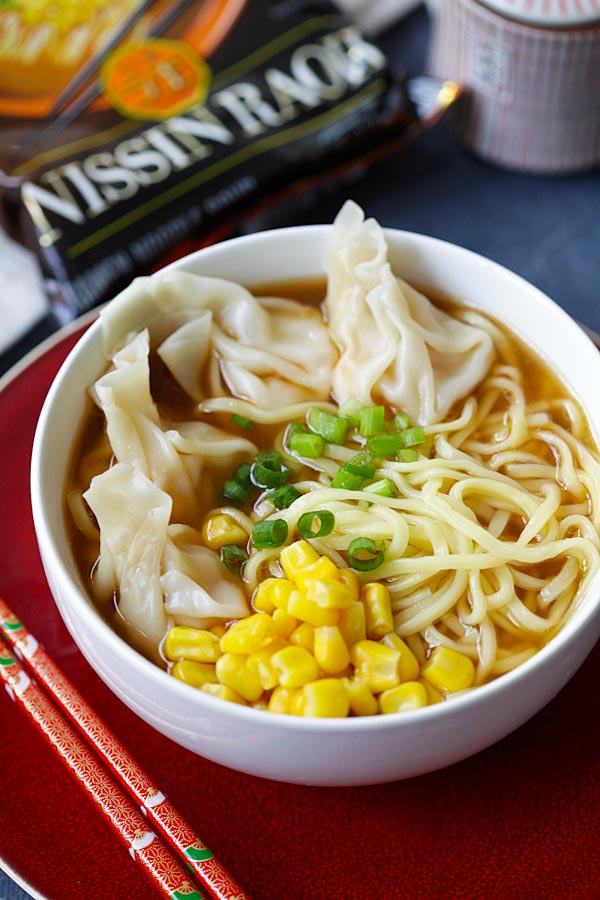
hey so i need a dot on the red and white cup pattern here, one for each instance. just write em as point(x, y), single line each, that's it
point(532, 81)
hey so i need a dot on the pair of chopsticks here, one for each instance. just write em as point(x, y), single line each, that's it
point(24, 666)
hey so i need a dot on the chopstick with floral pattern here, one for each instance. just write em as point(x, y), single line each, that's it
point(147, 850)
point(210, 873)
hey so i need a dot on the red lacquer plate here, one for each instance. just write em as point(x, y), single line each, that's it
point(520, 819)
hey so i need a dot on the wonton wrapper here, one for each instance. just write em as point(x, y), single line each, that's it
point(257, 346)
point(395, 346)
point(169, 454)
point(194, 582)
point(133, 515)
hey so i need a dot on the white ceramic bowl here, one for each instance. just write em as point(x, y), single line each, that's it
point(286, 748)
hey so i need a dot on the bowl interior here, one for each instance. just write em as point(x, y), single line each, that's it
point(278, 256)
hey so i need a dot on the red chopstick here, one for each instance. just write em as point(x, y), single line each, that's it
point(147, 850)
point(210, 873)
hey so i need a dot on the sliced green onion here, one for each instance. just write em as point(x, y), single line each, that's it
point(401, 420)
point(234, 491)
point(304, 442)
point(284, 496)
point(332, 428)
point(408, 454)
point(270, 533)
point(242, 421)
point(325, 521)
point(371, 420)
point(385, 444)
point(351, 410)
point(347, 481)
point(268, 469)
point(238, 487)
point(385, 488)
point(242, 474)
point(356, 554)
point(360, 464)
point(413, 436)
point(271, 453)
point(233, 557)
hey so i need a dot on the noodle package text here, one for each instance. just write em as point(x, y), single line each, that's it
point(129, 128)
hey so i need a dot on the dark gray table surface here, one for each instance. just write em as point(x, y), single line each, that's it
point(545, 229)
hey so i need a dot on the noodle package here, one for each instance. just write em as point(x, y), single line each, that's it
point(134, 131)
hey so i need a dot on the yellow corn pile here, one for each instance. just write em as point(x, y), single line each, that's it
point(317, 645)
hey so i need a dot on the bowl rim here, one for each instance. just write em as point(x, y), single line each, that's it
point(201, 702)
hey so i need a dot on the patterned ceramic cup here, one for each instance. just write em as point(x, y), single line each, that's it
point(531, 69)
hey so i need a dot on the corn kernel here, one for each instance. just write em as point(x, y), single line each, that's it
point(323, 569)
point(409, 664)
point(183, 642)
point(281, 699)
point(350, 579)
point(248, 635)
point(297, 703)
point(378, 609)
point(325, 698)
point(295, 666)
point(219, 629)
point(448, 670)
point(377, 665)
point(261, 663)
point(407, 696)
point(303, 636)
point(284, 623)
point(194, 673)
point(232, 671)
point(271, 594)
point(330, 650)
point(433, 695)
point(308, 611)
point(327, 594)
point(222, 529)
point(352, 623)
point(297, 556)
point(223, 693)
point(362, 701)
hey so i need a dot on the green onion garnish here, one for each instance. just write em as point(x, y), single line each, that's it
point(373, 558)
point(234, 491)
point(401, 420)
point(360, 464)
point(233, 557)
point(325, 521)
point(331, 428)
point(268, 469)
point(407, 455)
point(413, 436)
point(385, 444)
point(242, 474)
point(270, 533)
point(347, 481)
point(351, 410)
point(242, 421)
point(304, 442)
point(284, 496)
point(385, 488)
point(238, 487)
point(371, 420)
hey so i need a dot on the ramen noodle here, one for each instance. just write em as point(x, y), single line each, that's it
point(374, 526)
